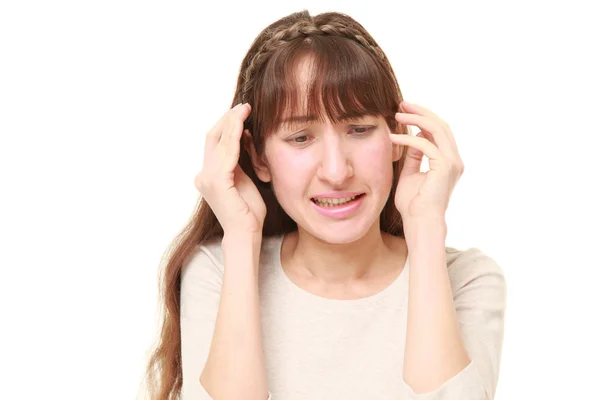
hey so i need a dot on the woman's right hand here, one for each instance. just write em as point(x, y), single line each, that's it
point(227, 189)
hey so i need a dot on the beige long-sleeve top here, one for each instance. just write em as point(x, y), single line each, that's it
point(318, 348)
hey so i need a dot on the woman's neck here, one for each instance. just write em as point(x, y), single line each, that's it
point(374, 254)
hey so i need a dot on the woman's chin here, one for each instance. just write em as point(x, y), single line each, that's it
point(337, 239)
point(340, 233)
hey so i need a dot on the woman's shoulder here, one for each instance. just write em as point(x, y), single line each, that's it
point(472, 256)
point(213, 250)
point(471, 266)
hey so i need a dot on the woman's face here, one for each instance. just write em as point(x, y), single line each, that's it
point(312, 160)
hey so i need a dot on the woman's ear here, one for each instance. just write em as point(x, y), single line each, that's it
point(258, 165)
point(395, 152)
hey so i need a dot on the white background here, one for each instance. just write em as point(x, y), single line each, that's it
point(103, 111)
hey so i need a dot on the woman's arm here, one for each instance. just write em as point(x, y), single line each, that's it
point(434, 349)
point(455, 319)
point(235, 367)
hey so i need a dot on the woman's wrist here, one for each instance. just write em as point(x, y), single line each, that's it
point(424, 231)
point(241, 239)
point(241, 250)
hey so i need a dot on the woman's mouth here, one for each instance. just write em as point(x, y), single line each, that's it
point(335, 202)
point(338, 207)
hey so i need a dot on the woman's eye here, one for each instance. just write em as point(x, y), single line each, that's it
point(362, 129)
point(300, 139)
point(359, 131)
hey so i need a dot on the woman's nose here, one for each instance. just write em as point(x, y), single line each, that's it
point(335, 165)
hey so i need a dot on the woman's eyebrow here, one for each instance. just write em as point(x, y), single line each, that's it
point(299, 119)
point(311, 118)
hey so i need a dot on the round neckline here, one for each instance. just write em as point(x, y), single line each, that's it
point(365, 302)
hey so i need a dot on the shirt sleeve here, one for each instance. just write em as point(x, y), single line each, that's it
point(479, 290)
point(201, 283)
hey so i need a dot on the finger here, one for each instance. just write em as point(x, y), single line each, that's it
point(426, 135)
point(214, 134)
point(231, 135)
point(418, 146)
point(228, 122)
point(420, 110)
point(413, 161)
point(412, 108)
point(439, 135)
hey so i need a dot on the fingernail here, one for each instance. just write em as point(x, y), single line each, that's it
point(237, 106)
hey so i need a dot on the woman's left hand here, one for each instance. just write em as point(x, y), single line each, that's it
point(426, 194)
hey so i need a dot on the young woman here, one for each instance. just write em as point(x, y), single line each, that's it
point(292, 279)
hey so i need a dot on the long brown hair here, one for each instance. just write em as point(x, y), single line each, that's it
point(352, 77)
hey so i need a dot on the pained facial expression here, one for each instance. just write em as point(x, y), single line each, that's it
point(306, 161)
point(325, 159)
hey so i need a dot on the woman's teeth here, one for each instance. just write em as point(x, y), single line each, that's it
point(334, 202)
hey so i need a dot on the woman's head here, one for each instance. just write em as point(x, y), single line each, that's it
point(338, 150)
point(329, 75)
point(326, 70)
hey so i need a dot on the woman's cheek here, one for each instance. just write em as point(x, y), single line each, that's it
point(376, 152)
point(291, 167)
point(373, 163)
